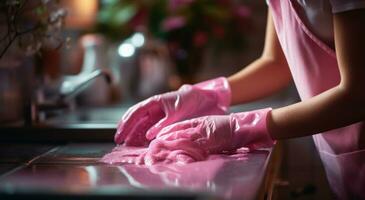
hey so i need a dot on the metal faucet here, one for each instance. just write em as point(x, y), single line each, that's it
point(70, 87)
point(73, 85)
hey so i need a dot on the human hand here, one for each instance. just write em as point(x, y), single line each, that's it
point(194, 139)
point(144, 120)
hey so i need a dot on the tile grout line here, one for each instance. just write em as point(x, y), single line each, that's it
point(27, 163)
point(41, 155)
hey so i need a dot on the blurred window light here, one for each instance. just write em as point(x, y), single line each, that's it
point(126, 50)
point(137, 39)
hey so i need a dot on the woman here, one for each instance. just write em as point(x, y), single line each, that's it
point(318, 43)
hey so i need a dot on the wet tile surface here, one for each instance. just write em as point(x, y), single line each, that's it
point(19, 153)
point(74, 169)
point(7, 167)
point(79, 153)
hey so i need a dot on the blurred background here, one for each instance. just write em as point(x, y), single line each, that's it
point(72, 54)
point(89, 60)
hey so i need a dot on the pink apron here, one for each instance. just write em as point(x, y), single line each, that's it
point(314, 69)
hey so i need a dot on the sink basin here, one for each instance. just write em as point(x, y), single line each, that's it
point(102, 115)
point(83, 125)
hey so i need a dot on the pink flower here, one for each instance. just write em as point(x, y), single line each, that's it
point(172, 23)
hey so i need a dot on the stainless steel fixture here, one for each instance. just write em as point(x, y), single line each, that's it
point(69, 88)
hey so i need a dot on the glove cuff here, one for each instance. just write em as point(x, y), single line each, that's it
point(221, 88)
point(265, 140)
point(250, 129)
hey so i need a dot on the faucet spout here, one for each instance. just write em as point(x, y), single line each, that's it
point(73, 85)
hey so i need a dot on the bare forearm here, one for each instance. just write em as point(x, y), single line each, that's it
point(339, 106)
point(266, 75)
point(335, 108)
point(261, 78)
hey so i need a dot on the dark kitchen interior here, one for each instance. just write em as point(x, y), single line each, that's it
point(73, 69)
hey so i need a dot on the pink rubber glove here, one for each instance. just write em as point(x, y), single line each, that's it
point(144, 120)
point(194, 139)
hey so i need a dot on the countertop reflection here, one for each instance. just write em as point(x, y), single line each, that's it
point(74, 169)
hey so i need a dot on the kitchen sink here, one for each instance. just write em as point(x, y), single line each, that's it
point(83, 125)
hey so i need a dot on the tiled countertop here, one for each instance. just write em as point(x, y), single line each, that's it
point(73, 170)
